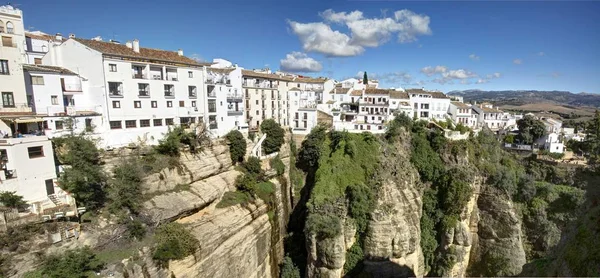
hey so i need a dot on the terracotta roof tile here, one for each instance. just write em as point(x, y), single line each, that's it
point(47, 69)
point(398, 95)
point(356, 93)
point(41, 36)
point(122, 50)
point(373, 91)
point(432, 94)
point(221, 70)
point(460, 105)
point(252, 73)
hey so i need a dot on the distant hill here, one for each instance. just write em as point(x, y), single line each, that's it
point(522, 97)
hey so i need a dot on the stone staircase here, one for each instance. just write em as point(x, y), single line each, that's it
point(55, 200)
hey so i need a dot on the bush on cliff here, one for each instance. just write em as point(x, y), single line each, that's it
point(175, 242)
point(275, 136)
point(237, 146)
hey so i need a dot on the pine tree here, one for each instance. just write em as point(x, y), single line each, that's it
point(365, 79)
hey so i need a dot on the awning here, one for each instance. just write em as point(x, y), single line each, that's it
point(28, 120)
point(5, 128)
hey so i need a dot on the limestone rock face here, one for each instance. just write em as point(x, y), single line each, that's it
point(326, 256)
point(498, 240)
point(392, 245)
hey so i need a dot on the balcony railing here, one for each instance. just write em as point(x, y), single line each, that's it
point(234, 95)
point(211, 93)
point(74, 87)
point(169, 94)
point(172, 78)
point(144, 94)
point(212, 125)
point(139, 76)
point(235, 112)
point(115, 94)
point(192, 95)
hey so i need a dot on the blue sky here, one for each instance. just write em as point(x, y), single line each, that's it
point(436, 45)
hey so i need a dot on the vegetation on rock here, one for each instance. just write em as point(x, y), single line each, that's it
point(275, 136)
point(12, 200)
point(174, 242)
point(237, 146)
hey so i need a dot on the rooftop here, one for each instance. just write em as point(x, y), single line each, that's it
point(398, 95)
point(356, 93)
point(121, 50)
point(431, 93)
point(221, 70)
point(460, 105)
point(37, 35)
point(252, 73)
point(47, 69)
point(373, 91)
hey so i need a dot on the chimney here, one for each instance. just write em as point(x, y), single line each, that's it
point(128, 44)
point(136, 46)
point(180, 52)
point(58, 37)
point(71, 36)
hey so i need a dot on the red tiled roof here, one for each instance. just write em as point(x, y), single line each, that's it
point(47, 69)
point(252, 73)
point(398, 95)
point(42, 36)
point(460, 105)
point(356, 93)
point(432, 94)
point(373, 91)
point(121, 50)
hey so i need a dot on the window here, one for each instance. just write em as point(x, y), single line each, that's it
point(54, 100)
point(112, 67)
point(116, 104)
point(131, 124)
point(169, 103)
point(169, 90)
point(192, 91)
point(193, 103)
point(212, 106)
point(1, 27)
point(7, 41)
point(88, 124)
point(10, 28)
point(35, 152)
point(154, 104)
point(157, 122)
point(144, 123)
point(115, 88)
point(4, 67)
point(169, 121)
point(37, 61)
point(8, 99)
point(190, 74)
point(181, 103)
point(115, 125)
point(58, 125)
point(137, 104)
point(143, 90)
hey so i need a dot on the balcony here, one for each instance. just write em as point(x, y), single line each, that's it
point(211, 93)
point(210, 81)
point(115, 94)
point(169, 94)
point(235, 112)
point(15, 108)
point(143, 94)
point(234, 95)
point(171, 75)
point(139, 76)
point(71, 86)
point(192, 95)
point(213, 125)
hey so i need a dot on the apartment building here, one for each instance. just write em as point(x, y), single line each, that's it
point(428, 105)
point(53, 94)
point(12, 56)
point(142, 91)
point(266, 96)
point(462, 113)
point(225, 98)
point(400, 103)
point(490, 116)
point(303, 101)
point(37, 44)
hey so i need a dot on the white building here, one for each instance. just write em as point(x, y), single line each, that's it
point(142, 91)
point(552, 143)
point(37, 44)
point(400, 103)
point(487, 115)
point(27, 168)
point(428, 105)
point(53, 93)
point(225, 98)
point(462, 113)
point(552, 125)
point(304, 100)
point(12, 56)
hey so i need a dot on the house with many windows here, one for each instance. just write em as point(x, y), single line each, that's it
point(142, 91)
point(462, 113)
point(428, 104)
point(266, 96)
point(225, 99)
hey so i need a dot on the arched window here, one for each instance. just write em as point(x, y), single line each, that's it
point(10, 28)
point(1, 26)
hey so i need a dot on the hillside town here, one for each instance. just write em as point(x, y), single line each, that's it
point(123, 93)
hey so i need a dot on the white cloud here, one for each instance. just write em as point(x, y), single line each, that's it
point(399, 77)
point(299, 62)
point(429, 71)
point(196, 57)
point(364, 32)
point(319, 37)
point(446, 75)
point(474, 57)
point(517, 61)
point(541, 53)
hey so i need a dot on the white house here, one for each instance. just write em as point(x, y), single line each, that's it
point(303, 102)
point(53, 93)
point(12, 56)
point(400, 103)
point(552, 143)
point(142, 91)
point(225, 98)
point(552, 125)
point(462, 113)
point(37, 44)
point(488, 116)
point(428, 105)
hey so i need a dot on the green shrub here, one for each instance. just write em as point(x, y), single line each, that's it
point(232, 198)
point(323, 225)
point(12, 200)
point(289, 269)
point(125, 187)
point(354, 257)
point(310, 150)
point(135, 229)
point(237, 146)
point(251, 135)
point(275, 136)
point(360, 204)
point(253, 166)
point(80, 262)
point(278, 165)
point(175, 242)
point(265, 191)
point(246, 182)
point(177, 136)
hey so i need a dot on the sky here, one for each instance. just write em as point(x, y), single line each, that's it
point(438, 45)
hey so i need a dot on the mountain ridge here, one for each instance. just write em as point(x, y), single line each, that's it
point(521, 97)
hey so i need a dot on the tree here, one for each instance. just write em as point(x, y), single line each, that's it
point(592, 143)
point(72, 263)
point(237, 146)
point(289, 269)
point(84, 176)
point(125, 190)
point(275, 136)
point(530, 129)
point(365, 79)
point(310, 150)
point(175, 242)
point(12, 200)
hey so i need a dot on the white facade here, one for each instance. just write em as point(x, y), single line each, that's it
point(462, 114)
point(428, 105)
point(12, 56)
point(225, 99)
point(492, 118)
point(140, 98)
point(28, 167)
point(552, 143)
